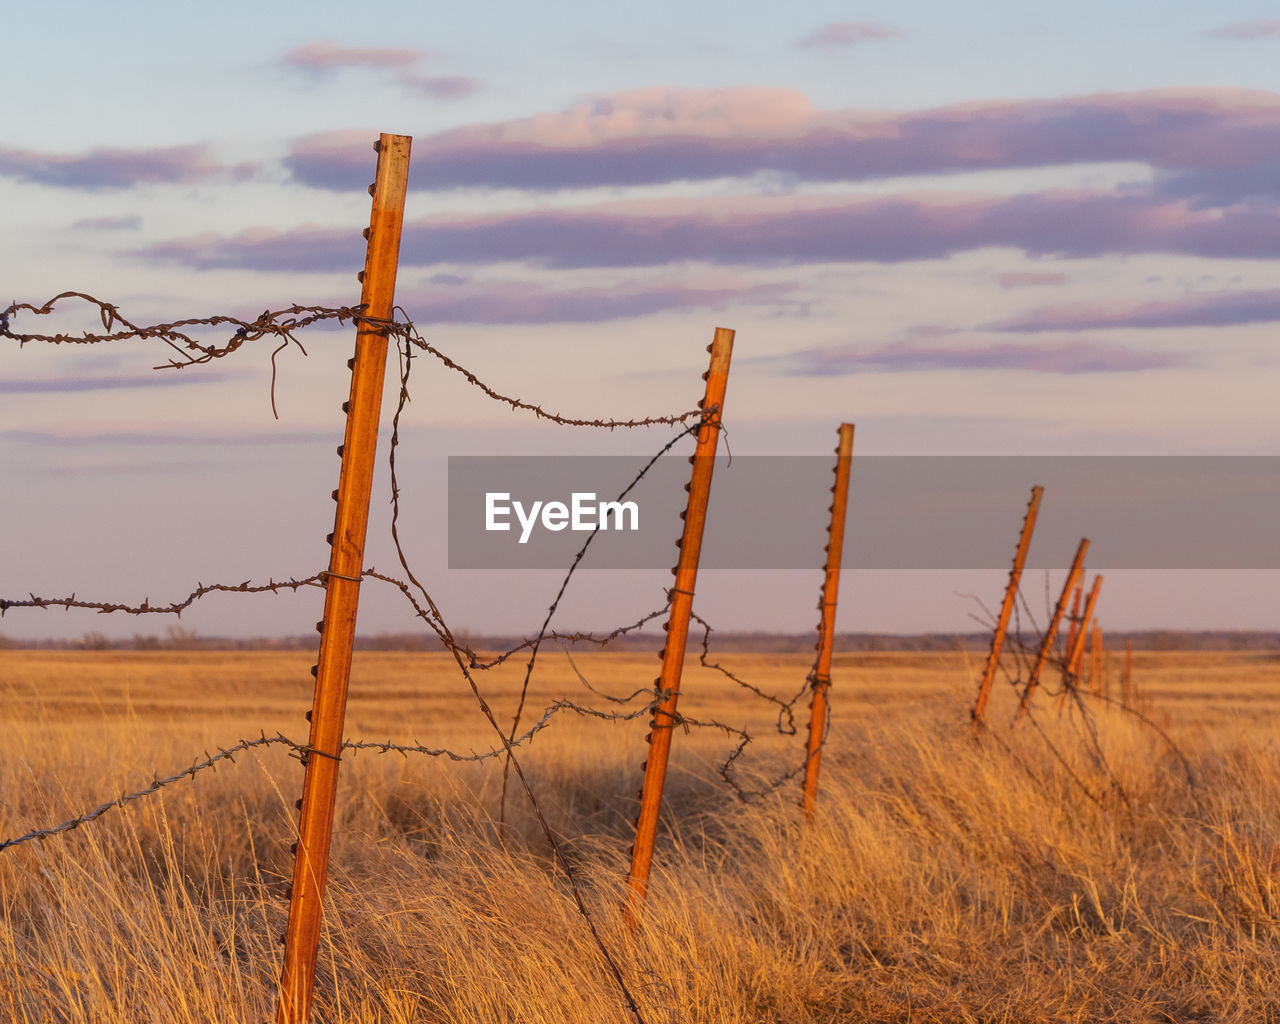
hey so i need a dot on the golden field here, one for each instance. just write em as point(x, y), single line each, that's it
point(1074, 869)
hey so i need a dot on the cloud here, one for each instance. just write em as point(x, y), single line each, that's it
point(304, 249)
point(322, 58)
point(1244, 31)
point(1030, 279)
point(62, 385)
point(142, 439)
point(127, 223)
point(764, 231)
point(114, 470)
point(442, 87)
point(105, 168)
point(1068, 357)
point(839, 35)
point(321, 55)
point(1220, 309)
point(661, 135)
point(456, 300)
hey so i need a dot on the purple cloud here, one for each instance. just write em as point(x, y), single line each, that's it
point(1030, 279)
point(442, 87)
point(1220, 309)
point(1259, 28)
point(459, 301)
point(129, 223)
point(321, 55)
point(323, 58)
point(660, 135)
point(109, 168)
point(169, 439)
point(764, 231)
point(62, 385)
point(1069, 357)
point(839, 35)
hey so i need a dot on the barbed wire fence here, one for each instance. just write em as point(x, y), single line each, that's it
point(1067, 694)
point(188, 349)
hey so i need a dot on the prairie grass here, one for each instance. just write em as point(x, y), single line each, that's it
point(1074, 870)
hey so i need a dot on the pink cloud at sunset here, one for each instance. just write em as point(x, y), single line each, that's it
point(839, 35)
point(1217, 309)
point(1030, 279)
point(324, 55)
point(1060, 357)
point(763, 231)
point(656, 136)
point(1246, 31)
point(104, 168)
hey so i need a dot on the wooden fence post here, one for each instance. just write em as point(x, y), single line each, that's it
point(1051, 633)
point(820, 681)
point(664, 717)
point(978, 714)
point(342, 586)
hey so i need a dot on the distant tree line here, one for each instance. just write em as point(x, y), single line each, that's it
point(177, 638)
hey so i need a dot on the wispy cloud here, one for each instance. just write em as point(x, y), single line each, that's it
point(106, 168)
point(459, 300)
point(80, 439)
point(1067, 357)
point(322, 55)
point(1030, 279)
point(1219, 309)
point(127, 223)
point(661, 135)
point(840, 35)
point(442, 87)
point(63, 385)
point(763, 231)
point(1244, 31)
point(324, 58)
point(114, 470)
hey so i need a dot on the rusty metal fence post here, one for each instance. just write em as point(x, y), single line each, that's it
point(1051, 633)
point(1126, 691)
point(1075, 623)
point(686, 572)
point(820, 680)
point(978, 714)
point(1075, 654)
point(342, 584)
point(1097, 661)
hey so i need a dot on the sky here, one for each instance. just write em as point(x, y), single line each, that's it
point(1010, 229)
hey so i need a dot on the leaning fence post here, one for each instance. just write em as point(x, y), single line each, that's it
point(1075, 654)
point(820, 680)
point(1051, 633)
point(1126, 691)
point(1006, 609)
point(1096, 661)
point(1075, 622)
point(342, 583)
point(686, 572)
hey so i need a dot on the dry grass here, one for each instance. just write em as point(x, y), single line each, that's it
point(944, 880)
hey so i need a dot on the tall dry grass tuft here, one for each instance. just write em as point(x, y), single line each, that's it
point(1068, 873)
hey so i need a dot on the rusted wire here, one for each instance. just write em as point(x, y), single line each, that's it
point(283, 324)
point(174, 608)
point(181, 336)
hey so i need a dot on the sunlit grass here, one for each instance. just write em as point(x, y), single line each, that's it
point(942, 880)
